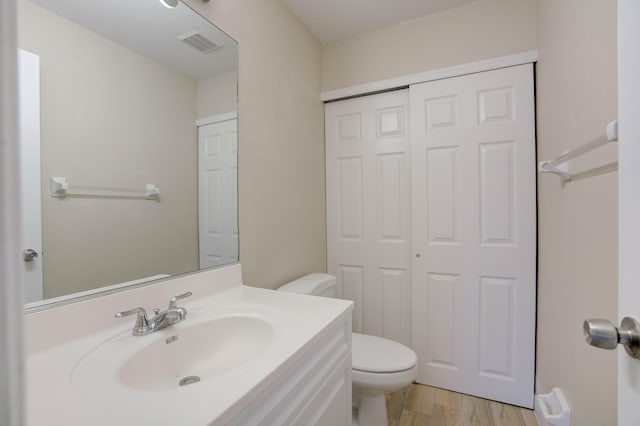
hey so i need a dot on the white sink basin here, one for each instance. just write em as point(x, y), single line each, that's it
point(207, 344)
point(200, 352)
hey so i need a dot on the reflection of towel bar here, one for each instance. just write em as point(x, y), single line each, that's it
point(559, 165)
point(60, 188)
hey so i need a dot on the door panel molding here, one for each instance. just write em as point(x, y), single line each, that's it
point(438, 74)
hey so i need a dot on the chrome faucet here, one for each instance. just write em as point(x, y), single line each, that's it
point(172, 315)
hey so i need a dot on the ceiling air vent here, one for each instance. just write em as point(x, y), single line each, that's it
point(198, 42)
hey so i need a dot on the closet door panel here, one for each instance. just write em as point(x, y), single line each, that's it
point(368, 210)
point(474, 233)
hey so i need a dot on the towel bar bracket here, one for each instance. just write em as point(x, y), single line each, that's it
point(561, 169)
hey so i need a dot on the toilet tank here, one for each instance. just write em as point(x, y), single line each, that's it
point(317, 284)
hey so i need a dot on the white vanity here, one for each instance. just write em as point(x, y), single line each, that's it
point(241, 356)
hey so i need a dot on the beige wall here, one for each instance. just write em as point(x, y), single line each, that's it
point(479, 30)
point(281, 189)
point(218, 94)
point(576, 97)
point(281, 146)
point(104, 123)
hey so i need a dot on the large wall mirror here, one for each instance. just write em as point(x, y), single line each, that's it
point(117, 95)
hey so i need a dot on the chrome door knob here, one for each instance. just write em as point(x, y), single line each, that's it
point(603, 334)
point(29, 255)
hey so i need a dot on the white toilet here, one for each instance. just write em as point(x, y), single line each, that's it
point(379, 365)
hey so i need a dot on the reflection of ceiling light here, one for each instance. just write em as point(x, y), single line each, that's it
point(170, 3)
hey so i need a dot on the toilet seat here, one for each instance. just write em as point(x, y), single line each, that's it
point(372, 354)
point(382, 382)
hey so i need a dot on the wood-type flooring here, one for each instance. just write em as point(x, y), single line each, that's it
point(428, 406)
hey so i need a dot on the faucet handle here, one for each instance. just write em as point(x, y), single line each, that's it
point(174, 299)
point(142, 323)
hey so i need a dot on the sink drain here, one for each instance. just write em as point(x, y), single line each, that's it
point(189, 380)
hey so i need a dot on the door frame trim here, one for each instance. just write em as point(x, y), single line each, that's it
point(217, 118)
point(437, 74)
point(628, 203)
point(12, 378)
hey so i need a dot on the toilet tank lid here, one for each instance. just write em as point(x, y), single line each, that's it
point(310, 284)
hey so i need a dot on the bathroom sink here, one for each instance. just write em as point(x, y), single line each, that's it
point(196, 353)
point(207, 344)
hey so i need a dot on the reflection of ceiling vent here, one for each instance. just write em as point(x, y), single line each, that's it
point(198, 42)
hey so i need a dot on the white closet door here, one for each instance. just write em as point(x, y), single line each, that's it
point(474, 233)
point(368, 210)
point(218, 195)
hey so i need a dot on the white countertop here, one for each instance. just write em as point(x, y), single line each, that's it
point(298, 320)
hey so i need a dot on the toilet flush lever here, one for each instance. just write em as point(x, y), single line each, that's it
point(603, 334)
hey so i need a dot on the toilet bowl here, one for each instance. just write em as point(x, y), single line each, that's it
point(378, 365)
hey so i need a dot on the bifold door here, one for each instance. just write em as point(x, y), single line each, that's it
point(368, 210)
point(474, 233)
point(431, 226)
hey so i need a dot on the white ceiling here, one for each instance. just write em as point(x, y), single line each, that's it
point(151, 29)
point(332, 20)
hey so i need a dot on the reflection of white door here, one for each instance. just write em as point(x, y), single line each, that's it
point(29, 122)
point(474, 233)
point(629, 211)
point(217, 193)
point(368, 210)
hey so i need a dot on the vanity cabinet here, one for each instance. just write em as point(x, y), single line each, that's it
point(314, 390)
point(263, 357)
